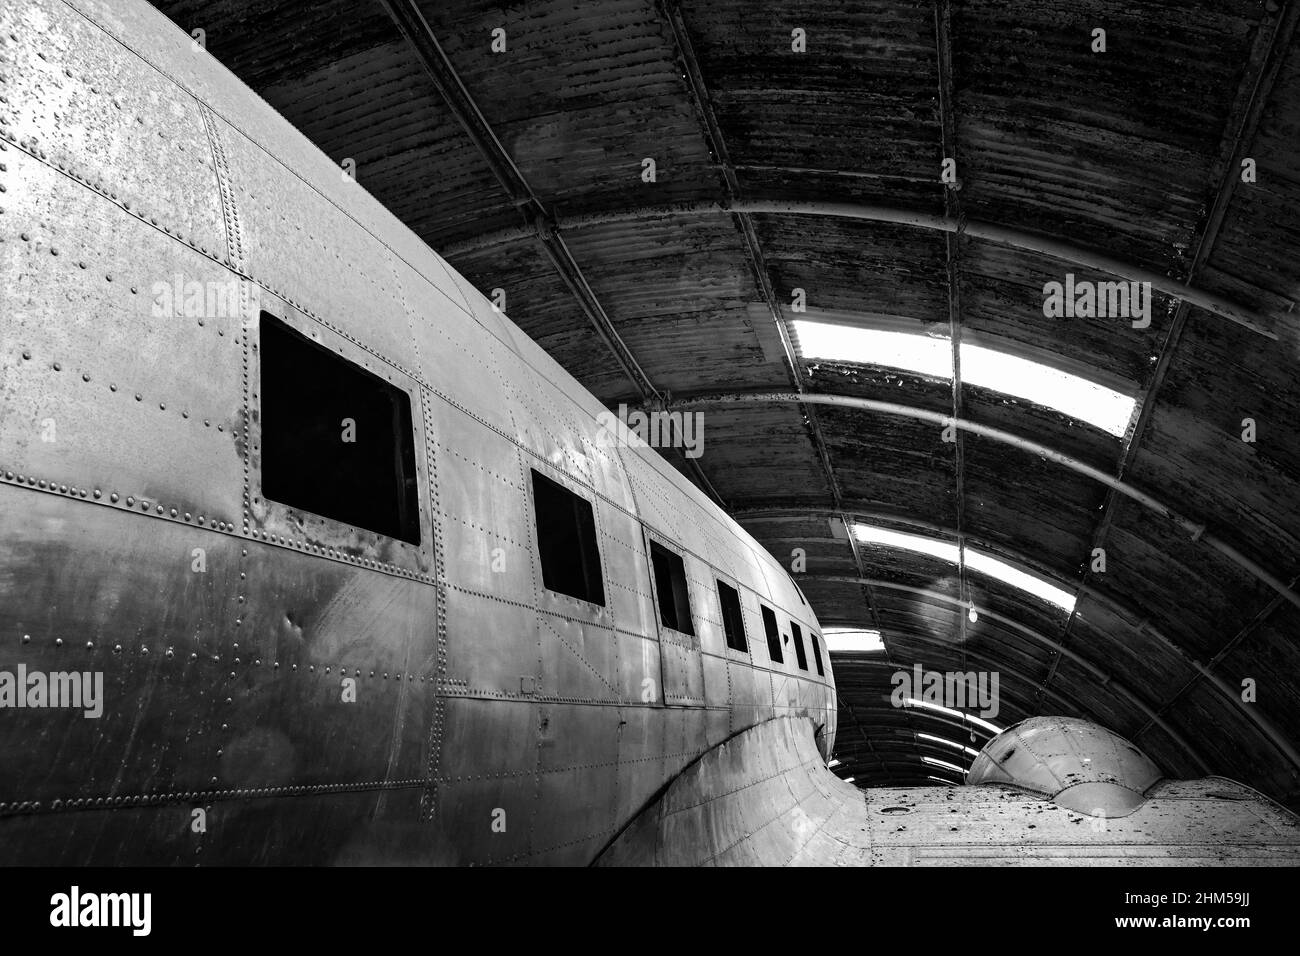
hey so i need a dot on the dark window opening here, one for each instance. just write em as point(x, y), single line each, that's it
point(817, 653)
point(798, 646)
point(733, 622)
point(773, 635)
point(566, 541)
point(336, 439)
point(670, 587)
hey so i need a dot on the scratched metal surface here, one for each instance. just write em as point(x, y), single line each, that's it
point(129, 160)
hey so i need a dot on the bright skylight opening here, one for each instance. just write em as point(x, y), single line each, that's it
point(923, 354)
point(950, 743)
point(852, 639)
point(940, 709)
point(834, 763)
point(943, 763)
point(1077, 397)
point(1044, 590)
point(943, 550)
point(975, 560)
point(849, 779)
point(1072, 395)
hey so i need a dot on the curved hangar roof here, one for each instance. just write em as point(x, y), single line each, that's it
point(813, 180)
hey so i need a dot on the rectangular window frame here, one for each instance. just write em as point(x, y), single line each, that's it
point(293, 527)
point(593, 563)
point(796, 636)
point(817, 652)
point(653, 540)
point(772, 631)
point(737, 620)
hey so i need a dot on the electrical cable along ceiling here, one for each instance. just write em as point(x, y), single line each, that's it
point(698, 204)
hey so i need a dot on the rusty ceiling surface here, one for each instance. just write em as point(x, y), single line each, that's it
point(779, 170)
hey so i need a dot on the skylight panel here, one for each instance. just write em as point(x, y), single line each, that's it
point(834, 762)
point(1044, 590)
point(922, 354)
point(1072, 395)
point(950, 743)
point(943, 763)
point(939, 708)
point(943, 550)
point(852, 639)
point(978, 561)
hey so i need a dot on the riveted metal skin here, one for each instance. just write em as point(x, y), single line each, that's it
point(1072, 762)
point(323, 694)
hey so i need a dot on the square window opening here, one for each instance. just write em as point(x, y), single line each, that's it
point(670, 589)
point(733, 622)
point(566, 541)
point(336, 439)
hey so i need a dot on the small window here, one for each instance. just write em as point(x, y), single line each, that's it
point(566, 541)
point(670, 587)
point(817, 654)
point(773, 635)
point(336, 439)
point(798, 646)
point(733, 622)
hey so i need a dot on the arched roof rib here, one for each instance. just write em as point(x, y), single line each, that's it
point(1055, 248)
point(1195, 529)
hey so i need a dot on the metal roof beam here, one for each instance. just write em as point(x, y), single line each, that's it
point(990, 663)
point(930, 719)
point(861, 732)
point(952, 256)
point(995, 548)
point(415, 28)
point(1265, 727)
point(1123, 611)
point(1203, 672)
point(1271, 41)
point(671, 13)
point(1037, 243)
point(1195, 530)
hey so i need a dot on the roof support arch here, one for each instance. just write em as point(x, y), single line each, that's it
point(1265, 727)
point(867, 212)
point(1195, 530)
